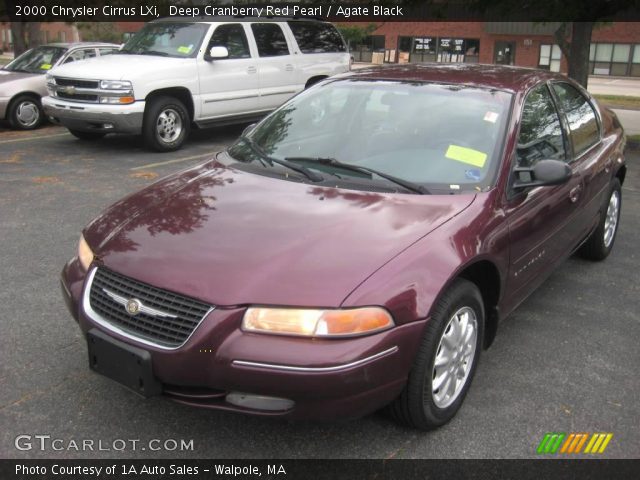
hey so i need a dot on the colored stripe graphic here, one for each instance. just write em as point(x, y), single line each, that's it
point(551, 442)
point(572, 443)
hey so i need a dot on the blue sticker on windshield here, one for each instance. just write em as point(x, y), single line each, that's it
point(473, 174)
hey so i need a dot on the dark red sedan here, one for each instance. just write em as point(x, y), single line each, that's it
point(355, 249)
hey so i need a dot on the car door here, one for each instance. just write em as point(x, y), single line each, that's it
point(275, 65)
point(228, 86)
point(590, 155)
point(544, 222)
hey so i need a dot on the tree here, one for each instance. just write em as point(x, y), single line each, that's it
point(25, 35)
point(355, 34)
point(99, 32)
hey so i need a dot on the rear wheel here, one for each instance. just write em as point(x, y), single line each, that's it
point(599, 245)
point(166, 124)
point(446, 361)
point(86, 135)
point(25, 113)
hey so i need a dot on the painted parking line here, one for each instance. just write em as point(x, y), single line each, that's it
point(25, 139)
point(175, 160)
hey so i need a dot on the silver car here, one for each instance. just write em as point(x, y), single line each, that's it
point(22, 81)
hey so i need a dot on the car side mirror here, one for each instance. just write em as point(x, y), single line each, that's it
point(216, 53)
point(248, 129)
point(543, 173)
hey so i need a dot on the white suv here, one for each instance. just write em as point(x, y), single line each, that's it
point(175, 73)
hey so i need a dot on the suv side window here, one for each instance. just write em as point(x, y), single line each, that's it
point(107, 51)
point(541, 136)
point(580, 115)
point(233, 37)
point(270, 39)
point(315, 37)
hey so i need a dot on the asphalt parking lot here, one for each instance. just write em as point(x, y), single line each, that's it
point(566, 361)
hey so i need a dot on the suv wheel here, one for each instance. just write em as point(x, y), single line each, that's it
point(599, 245)
point(25, 113)
point(446, 361)
point(166, 124)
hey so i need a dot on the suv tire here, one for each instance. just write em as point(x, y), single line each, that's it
point(166, 124)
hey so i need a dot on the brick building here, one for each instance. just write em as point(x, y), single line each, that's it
point(615, 48)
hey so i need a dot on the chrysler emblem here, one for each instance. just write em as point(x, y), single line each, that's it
point(133, 306)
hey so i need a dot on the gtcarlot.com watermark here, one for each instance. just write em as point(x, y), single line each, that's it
point(48, 443)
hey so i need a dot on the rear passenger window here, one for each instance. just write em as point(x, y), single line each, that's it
point(540, 135)
point(580, 115)
point(270, 39)
point(315, 37)
point(231, 36)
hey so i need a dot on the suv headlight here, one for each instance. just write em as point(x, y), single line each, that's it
point(115, 85)
point(317, 323)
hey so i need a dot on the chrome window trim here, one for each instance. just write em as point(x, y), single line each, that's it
point(103, 322)
point(335, 368)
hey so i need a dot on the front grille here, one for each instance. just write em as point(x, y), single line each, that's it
point(78, 97)
point(72, 82)
point(162, 331)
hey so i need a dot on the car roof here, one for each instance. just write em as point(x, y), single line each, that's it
point(499, 77)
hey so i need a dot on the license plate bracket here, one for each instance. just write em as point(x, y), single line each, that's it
point(128, 365)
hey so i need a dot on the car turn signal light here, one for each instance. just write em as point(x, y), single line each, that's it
point(317, 323)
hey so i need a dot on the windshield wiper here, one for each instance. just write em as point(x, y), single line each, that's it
point(153, 52)
point(406, 184)
point(311, 175)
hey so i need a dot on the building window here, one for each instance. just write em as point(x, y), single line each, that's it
point(635, 61)
point(550, 57)
point(363, 52)
point(612, 59)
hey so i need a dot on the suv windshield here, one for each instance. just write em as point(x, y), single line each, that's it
point(36, 60)
point(441, 137)
point(167, 39)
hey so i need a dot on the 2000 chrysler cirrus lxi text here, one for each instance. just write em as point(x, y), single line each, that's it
point(354, 250)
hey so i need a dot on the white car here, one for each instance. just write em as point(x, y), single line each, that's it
point(176, 73)
point(22, 82)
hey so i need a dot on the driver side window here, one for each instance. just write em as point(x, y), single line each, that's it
point(541, 136)
point(233, 37)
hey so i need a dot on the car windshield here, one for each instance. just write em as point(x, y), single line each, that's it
point(36, 60)
point(441, 137)
point(167, 39)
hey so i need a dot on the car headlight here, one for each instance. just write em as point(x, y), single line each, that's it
point(85, 255)
point(115, 85)
point(118, 100)
point(49, 78)
point(317, 323)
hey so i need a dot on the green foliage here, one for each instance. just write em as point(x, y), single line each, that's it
point(355, 34)
point(99, 32)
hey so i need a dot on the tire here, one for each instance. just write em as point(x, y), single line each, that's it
point(166, 124)
point(86, 135)
point(600, 243)
point(25, 113)
point(419, 405)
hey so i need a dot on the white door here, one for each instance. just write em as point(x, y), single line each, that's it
point(228, 86)
point(276, 65)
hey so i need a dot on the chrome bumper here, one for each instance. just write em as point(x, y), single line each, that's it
point(89, 117)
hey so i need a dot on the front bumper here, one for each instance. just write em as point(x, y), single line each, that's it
point(93, 117)
point(324, 378)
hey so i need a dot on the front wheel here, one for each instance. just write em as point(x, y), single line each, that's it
point(599, 245)
point(25, 113)
point(446, 361)
point(166, 124)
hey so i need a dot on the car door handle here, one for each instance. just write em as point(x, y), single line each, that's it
point(574, 193)
point(288, 67)
point(252, 69)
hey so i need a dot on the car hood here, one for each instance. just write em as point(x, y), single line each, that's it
point(122, 67)
point(230, 237)
point(7, 77)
